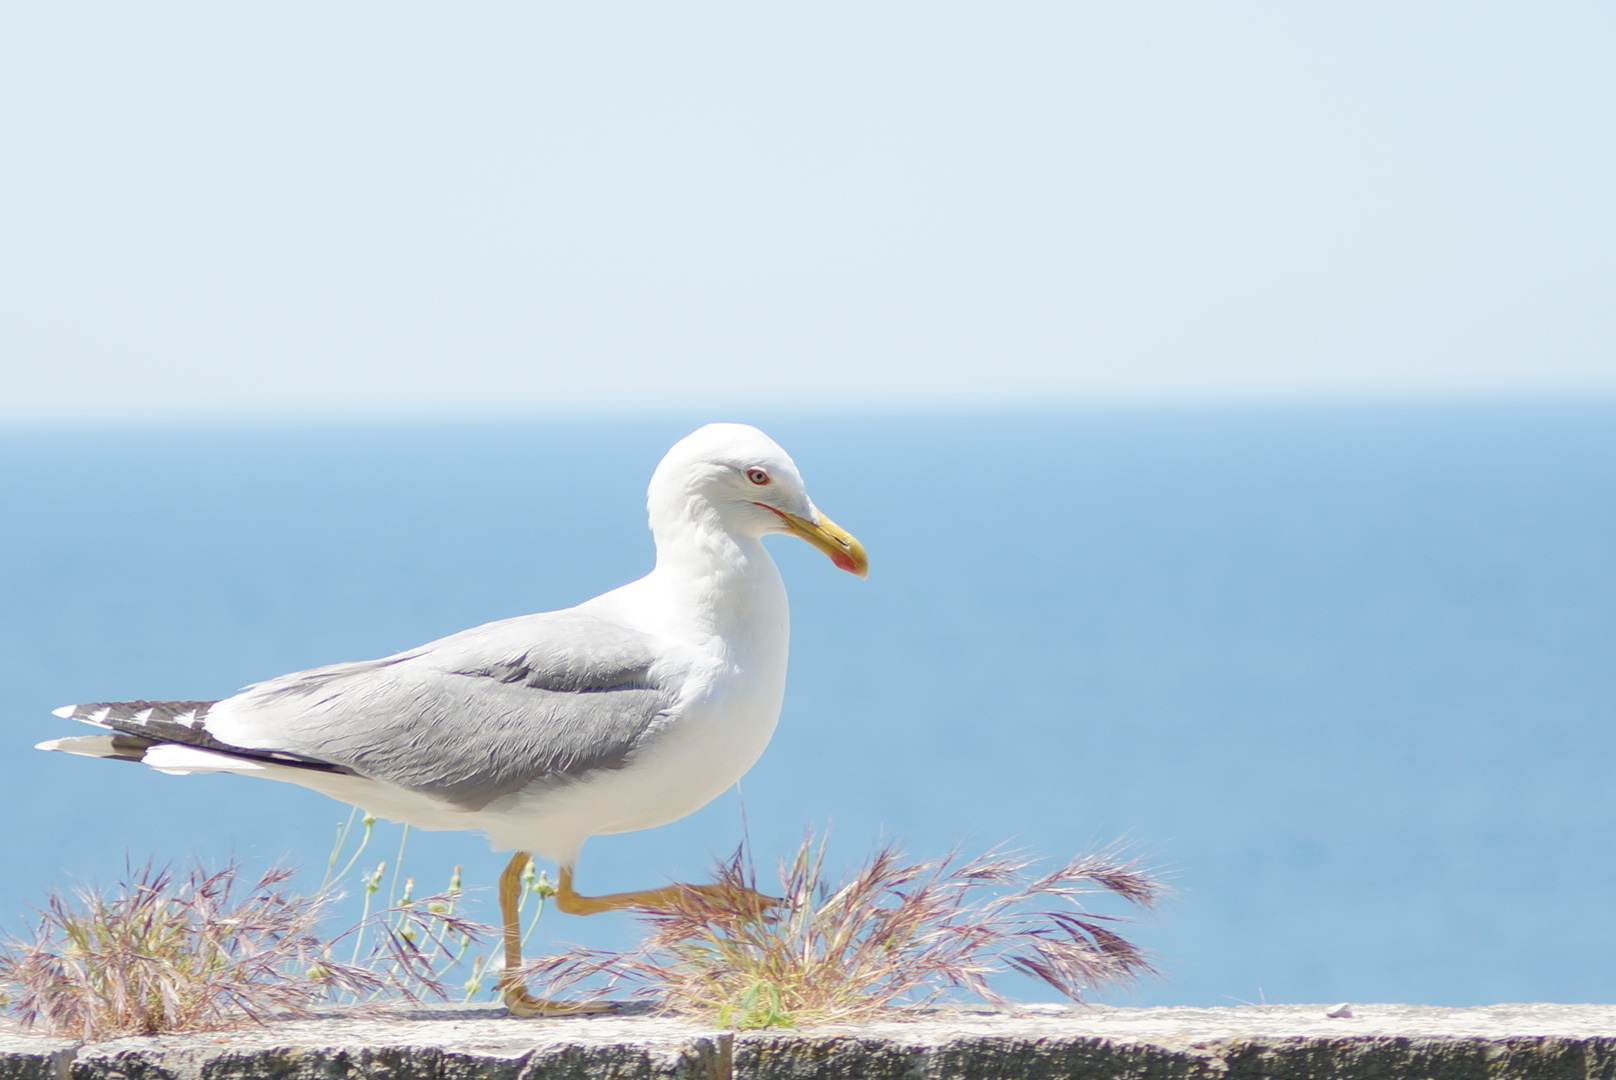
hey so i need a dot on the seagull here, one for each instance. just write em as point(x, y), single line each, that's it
point(626, 712)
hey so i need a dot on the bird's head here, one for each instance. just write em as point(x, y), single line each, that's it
point(743, 478)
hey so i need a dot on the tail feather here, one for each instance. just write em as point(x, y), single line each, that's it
point(140, 725)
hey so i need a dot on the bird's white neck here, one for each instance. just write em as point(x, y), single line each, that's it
point(710, 583)
point(715, 579)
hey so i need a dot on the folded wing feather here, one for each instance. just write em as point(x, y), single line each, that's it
point(540, 699)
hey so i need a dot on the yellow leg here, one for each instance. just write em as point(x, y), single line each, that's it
point(517, 998)
point(569, 902)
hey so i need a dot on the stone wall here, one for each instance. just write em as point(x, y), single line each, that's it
point(1363, 1042)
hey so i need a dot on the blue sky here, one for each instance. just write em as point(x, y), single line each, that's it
point(404, 208)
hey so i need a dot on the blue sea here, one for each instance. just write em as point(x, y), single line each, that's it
point(1344, 674)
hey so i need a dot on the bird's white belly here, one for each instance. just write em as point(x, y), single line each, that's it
point(691, 763)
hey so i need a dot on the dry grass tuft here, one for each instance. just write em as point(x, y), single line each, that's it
point(181, 952)
point(895, 934)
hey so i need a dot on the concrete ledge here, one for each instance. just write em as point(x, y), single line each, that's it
point(1283, 1042)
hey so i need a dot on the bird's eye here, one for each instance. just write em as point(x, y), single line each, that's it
point(757, 476)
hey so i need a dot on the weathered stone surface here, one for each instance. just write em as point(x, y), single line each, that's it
point(1376, 1042)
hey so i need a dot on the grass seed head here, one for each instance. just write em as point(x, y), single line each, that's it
point(166, 951)
point(894, 933)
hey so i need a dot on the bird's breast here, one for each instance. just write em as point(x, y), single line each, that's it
point(710, 739)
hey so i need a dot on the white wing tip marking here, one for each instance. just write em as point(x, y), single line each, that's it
point(69, 712)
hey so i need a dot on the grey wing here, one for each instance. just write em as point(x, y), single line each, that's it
point(481, 714)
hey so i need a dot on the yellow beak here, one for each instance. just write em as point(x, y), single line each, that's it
point(831, 538)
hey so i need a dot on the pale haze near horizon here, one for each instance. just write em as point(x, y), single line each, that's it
point(308, 209)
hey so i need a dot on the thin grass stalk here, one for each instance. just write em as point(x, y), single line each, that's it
point(371, 886)
point(343, 829)
point(398, 863)
point(369, 822)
